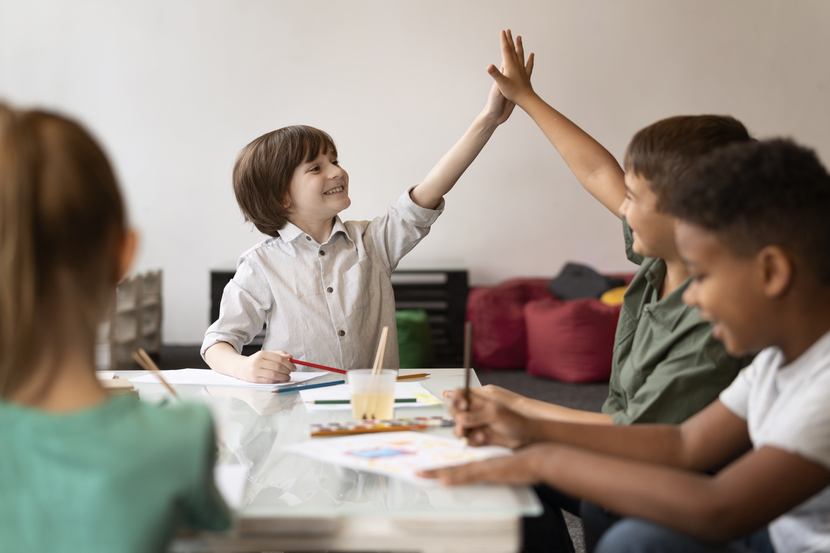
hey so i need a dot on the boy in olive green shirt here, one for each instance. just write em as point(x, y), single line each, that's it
point(666, 365)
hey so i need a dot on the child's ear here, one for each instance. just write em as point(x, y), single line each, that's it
point(778, 269)
point(126, 246)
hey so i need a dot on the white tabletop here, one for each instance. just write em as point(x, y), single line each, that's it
point(305, 504)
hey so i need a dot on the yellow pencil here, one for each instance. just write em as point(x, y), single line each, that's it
point(419, 375)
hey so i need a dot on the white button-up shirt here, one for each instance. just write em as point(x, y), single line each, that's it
point(323, 303)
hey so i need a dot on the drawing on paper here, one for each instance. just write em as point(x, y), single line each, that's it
point(400, 454)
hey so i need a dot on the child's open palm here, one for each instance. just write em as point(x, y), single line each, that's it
point(514, 78)
point(499, 107)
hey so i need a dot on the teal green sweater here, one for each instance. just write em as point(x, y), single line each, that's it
point(118, 477)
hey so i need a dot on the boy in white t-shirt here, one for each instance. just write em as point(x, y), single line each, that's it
point(754, 232)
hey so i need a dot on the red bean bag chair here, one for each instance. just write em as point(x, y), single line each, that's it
point(572, 340)
point(499, 322)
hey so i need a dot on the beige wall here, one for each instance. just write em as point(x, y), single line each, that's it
point(174, 89)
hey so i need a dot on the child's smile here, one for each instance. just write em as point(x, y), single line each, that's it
point(652, 230)
point(725, 288)
point(335, 190)
point(319, 190)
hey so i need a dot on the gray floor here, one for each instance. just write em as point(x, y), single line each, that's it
point(588, 397)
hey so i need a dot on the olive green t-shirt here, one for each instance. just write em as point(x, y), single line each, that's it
point(666, 365)
point(118, 477)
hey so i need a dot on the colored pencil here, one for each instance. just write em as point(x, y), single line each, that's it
point(468, 356)
point(347, 401)
point(146, 362)
point(315, 366)
point(308, 386)
point(418, 375)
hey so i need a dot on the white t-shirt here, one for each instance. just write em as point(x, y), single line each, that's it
point(788, 407)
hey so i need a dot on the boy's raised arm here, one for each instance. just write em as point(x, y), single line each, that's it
point(449, 169)
point(593, 165)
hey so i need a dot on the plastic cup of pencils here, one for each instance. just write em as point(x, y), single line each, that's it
point(372, 396)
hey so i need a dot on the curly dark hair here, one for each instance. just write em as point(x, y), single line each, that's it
point(661, 152)
point(752, 195)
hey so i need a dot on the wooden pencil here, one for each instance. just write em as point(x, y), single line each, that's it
point(418, 375)
point(468, 356)
point(146, 362)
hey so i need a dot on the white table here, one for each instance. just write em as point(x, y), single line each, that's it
point(297, 504)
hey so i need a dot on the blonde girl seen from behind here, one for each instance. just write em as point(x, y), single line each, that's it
point(80, 471)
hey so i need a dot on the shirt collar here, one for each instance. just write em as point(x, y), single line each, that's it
point(339, 227)
point(671, 309)
point(291, 232)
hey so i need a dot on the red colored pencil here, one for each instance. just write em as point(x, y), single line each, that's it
point(307, 364)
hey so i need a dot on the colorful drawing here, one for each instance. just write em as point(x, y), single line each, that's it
point(376, 452)
point(399, 454)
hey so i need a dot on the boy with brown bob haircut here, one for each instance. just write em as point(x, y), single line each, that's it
point(322, 286)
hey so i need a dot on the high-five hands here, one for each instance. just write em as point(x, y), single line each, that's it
point(499, 108)
point(514, 78)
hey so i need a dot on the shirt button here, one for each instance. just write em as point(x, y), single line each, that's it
point(329, 289)
point(342, 333)
point(322, 252)
point(308, 238)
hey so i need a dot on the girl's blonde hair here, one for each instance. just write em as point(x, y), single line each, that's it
point(61, 216)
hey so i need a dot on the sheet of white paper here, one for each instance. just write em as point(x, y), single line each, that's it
point(403, 390)
point(206, 377)
point(231, 481)
point(397, 454)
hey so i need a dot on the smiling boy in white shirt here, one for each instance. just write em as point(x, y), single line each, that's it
point(322, 286)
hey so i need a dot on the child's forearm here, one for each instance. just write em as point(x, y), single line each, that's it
point(741, 498)
point(680, 500)
point(660, 444)
point(533, 408)
point(594, 166)
point(691, 445)
point(223, 358)
point(449, 169)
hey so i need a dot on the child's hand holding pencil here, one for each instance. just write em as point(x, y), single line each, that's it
point(486, 422)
